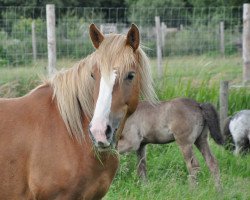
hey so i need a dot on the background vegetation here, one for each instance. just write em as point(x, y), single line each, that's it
point(197, 77)
point(199, 18)
point(123, 3)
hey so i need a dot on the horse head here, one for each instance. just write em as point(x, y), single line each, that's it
point(119, 76)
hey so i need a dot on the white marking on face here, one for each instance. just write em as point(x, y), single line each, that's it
point(100, 119)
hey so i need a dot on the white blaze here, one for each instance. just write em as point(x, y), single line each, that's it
point(99, 121)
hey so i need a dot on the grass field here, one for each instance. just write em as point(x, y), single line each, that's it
point(195, 77)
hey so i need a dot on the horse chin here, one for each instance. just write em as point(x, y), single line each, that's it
point(111, 147)
point(104, 149)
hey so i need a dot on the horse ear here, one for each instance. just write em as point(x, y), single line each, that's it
point(133, 37)
point(95, 35)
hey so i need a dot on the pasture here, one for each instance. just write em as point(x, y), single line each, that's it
point(194, 77)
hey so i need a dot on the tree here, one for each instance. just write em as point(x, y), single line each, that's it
point(144, 11)
point(63, 3)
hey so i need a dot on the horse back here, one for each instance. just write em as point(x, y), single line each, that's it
point(168, 120)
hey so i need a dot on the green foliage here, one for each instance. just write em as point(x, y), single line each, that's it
point(21, 29)
point(3, 60)
point(16, 46)
point(199, 39)
point(62, 3)
point(167, 176)
point(71, 33)
point(216, 3)
point(71, 30)
point(195, 77)
point(239, 98)
point(154, 4)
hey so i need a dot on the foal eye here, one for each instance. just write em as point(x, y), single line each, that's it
point(130, 76)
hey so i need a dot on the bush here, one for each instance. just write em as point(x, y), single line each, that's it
point(197, 40)
point(73, 38)
point(16, 47)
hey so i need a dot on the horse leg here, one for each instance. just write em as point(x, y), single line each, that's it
point(241, 144)
point(237, 148)
point(141, 162)
point(248, 143)
point(191, 163)
point(202, 145)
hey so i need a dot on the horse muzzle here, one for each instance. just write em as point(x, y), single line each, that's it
point(101, 135)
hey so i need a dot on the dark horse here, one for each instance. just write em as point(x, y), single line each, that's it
point(56, 142)
point(182, 120)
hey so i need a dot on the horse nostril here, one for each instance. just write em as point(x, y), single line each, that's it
point(108, 132)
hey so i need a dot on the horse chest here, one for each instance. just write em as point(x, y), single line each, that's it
point(99, 178)
point(78, 182)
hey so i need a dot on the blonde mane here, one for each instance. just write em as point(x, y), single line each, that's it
point(73, 88)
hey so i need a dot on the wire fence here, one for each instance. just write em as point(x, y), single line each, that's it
point(185, 31)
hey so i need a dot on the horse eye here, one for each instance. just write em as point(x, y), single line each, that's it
point(92, 75)
point(130, 76)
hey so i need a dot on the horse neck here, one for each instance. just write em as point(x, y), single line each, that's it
point(42, 96)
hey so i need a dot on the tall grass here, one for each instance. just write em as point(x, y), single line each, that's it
point(17, 81)
point(194, 77)
point(199, 78)
point(167, 176)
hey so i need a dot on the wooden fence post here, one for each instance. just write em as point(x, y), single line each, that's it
point(51, 38)
point(181, 27)
point(159, 49)
point(34, 49)
point(222, 40)
point(246, 44)
point(102, 28)
point(163, 36)
point(223, 102)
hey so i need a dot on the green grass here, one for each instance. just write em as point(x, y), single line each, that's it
point(167, 176)
point(195, 77)
point(199, 78)
point(17, 81)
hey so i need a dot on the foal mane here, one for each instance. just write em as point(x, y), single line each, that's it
point(73, 88)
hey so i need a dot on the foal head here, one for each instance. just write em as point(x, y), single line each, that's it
point(120, 73)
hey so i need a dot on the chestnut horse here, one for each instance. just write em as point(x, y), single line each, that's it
point(57, 141)
point(182, 120)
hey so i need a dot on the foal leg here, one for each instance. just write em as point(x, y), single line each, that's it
point(202, 145)
point(191, 163)
point(141, 162)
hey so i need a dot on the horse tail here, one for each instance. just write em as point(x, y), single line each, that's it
point(212, 120)
point(229, 144)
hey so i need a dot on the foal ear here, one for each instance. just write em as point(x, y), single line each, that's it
point(95, 35)
point(133, 37)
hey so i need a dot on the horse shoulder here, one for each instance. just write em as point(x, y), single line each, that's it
point(102, 176)
point(69, 167)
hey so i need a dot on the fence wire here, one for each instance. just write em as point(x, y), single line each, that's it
point(185, 31)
